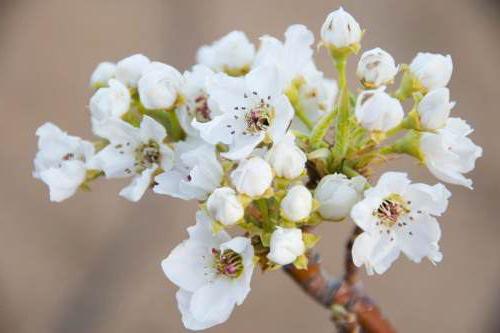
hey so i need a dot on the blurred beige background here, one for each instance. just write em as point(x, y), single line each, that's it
point(91, 264)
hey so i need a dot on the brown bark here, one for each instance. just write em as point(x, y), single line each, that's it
point(353, 311)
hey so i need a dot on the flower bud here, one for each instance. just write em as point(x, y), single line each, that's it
point(110, 102)
point(376, 67)
point(297, 204)
point(340, 30)
point(252, 176)
point(130, 69)
point(337, 194)
point(377, 111)
point(286, 245)
point(102, 74)
point(158, 86)
point(432, 70)
point(434, 109)
point(232, 54)
point(224, 206)
point(286, 159)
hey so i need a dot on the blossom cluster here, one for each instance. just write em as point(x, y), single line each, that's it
point(270, 147)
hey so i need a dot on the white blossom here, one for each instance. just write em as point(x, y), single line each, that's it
point(294, 60)
point(286, 158)
point(297, 204)
point(434, 109)
point(286, 245)
point(341, 29)
point(195, 174)
point(223, 205)
point(102, 74)
point(378, 111)
point(376, 68)
point(233, 53)
point(337, 194)
point(213, 273)
point(109, 102)
point(61, 161)
point(252, 177)
point(132, 151)
point(197, 105)
point(130, 69)
point(449, 153)
point(432, 70)
point(397, 216)
point(159, 86)
point(252, 108)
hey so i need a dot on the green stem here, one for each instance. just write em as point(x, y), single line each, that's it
point(293, 96)
point(319, 131)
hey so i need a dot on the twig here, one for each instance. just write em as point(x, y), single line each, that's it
point(353, 310)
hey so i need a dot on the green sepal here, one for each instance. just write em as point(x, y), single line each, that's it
point(310, 240)
point(217, 227)
point(408, 144)
point(301, 262)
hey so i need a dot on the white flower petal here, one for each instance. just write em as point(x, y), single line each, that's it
point(140, 183)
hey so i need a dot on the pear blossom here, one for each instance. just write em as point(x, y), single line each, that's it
point(102, 74)
point(61, 161)
point(340, 29)
point(434, 109)
point(232, 54)
point(252, 177)
point(159, 86)
point(253, 108)
point(223, 206)
point(294, 60)
point(286, 245)
point(112, 101)
point(133, 152)
point(197, 105)
point(378, 111)
point(432, 70)
point(398, 216)
point(337, 194)
point(376, 68)
point(213, 273)
point(196, 172)
point(286, 158)
point(130, 69)
point(297, 204)
point(449, 153)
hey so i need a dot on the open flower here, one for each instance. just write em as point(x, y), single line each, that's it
point(286, 159)
point(337, 194)
point(376, 68)
point(223, 205)
point(434, 109)
point(294, 60)
point(130, 69)
point(132, 151)
point(432, 70)
point(159, 86)
point(286, 245)
point(232, 54)
point(195, 174)
point(378, 111)
point(252, 108)
point(61, 161)
point(340, 30)
point(252, 176)
point(396, 216)
point(449, 153)
point(213, 273)
point(112, 101)
point(196, 102)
